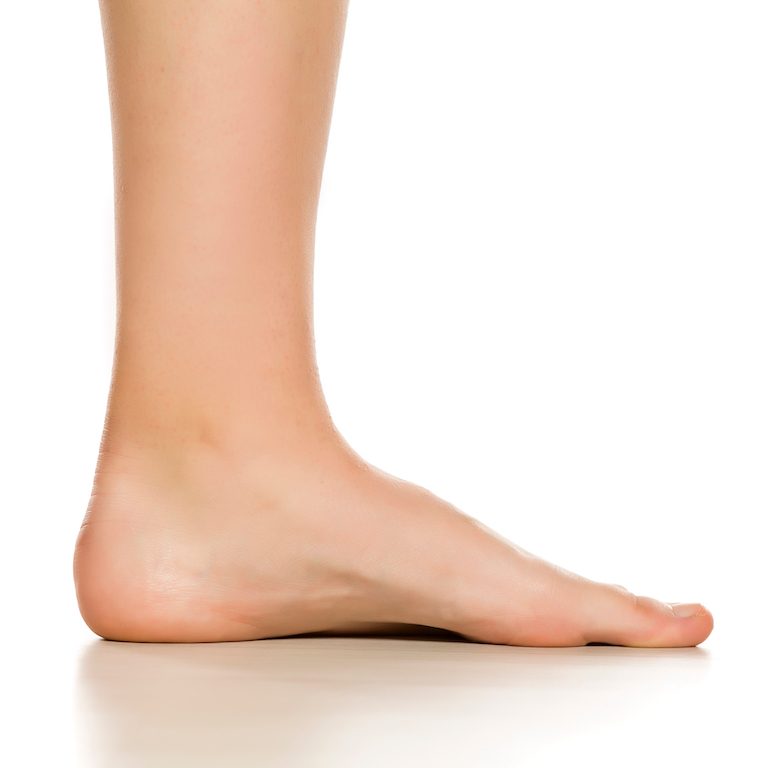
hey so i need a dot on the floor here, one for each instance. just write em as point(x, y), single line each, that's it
point(379, 701)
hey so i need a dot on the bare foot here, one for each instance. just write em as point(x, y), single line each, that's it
point(200, 544)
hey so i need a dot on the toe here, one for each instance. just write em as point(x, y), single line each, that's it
point(615, 615)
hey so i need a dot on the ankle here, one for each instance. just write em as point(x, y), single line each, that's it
point(274, 458)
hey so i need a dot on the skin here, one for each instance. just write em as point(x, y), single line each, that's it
point(226, 505)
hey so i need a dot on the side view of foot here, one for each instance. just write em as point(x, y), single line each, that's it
point(226, 506)
point(199, 544)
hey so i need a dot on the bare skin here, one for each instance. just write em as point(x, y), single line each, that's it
point(226, 505)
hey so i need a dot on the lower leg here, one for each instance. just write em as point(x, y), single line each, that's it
point(220, 118)
point(226, 505)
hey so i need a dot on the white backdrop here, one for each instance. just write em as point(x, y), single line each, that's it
point(541, 284)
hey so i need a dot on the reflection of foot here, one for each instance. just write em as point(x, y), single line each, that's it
point(199, 545)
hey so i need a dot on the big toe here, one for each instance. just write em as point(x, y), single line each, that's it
point(622, 618)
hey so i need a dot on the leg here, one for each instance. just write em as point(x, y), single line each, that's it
point(225, 505)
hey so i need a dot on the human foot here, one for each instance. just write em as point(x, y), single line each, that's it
point(198, 544)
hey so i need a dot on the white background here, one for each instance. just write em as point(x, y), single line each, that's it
point(541, 288)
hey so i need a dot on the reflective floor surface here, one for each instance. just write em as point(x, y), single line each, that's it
point(379, 701)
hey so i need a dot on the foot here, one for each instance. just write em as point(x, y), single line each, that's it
point(201, 544)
